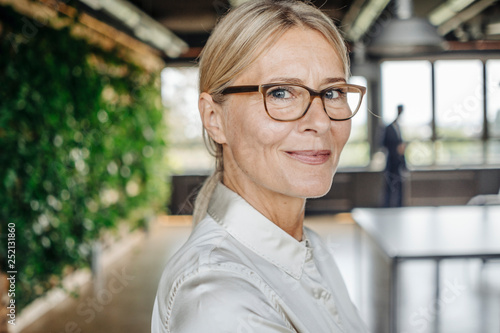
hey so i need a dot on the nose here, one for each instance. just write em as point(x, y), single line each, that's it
point(315, 120)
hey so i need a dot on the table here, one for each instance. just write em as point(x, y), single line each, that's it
point(431, 233)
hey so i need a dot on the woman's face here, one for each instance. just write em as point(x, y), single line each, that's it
point(297, 158)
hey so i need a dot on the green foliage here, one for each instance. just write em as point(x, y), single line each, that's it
point(82, 148)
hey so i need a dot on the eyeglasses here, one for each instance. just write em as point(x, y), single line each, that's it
point(288, 102)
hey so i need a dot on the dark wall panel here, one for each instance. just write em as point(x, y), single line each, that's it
point(352, 189)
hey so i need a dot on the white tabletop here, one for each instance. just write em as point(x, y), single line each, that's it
point(433, 232)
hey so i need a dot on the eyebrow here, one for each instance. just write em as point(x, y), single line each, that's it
point(334, 80)
point(293, 80)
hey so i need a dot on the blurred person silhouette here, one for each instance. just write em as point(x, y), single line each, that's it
point(396, 163)
point(276, 108)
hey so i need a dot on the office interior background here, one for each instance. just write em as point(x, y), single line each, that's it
point(102, 155)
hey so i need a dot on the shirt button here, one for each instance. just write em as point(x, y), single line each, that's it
point(317, 293)
point(309, 254)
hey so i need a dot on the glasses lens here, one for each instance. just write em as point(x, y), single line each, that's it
point(289, 102)
point(286, 102)
point(342, 102)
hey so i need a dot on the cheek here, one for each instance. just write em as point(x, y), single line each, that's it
point(251, 128)
point(341, 132)
point(271, 133)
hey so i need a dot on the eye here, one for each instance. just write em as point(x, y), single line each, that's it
point(333, 93)
point(280, 93)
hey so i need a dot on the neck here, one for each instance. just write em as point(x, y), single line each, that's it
point(285, 211)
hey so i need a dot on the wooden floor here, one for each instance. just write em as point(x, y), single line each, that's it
point(470, 301)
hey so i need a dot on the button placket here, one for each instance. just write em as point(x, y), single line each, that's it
point(319, 292)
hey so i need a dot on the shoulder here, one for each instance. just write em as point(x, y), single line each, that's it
point(206, 288)
point(224, 297)
point(390, 129)
point(206, 237)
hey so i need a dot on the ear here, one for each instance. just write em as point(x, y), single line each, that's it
point(211, 117)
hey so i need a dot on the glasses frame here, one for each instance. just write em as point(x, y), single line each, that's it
point(263, 88)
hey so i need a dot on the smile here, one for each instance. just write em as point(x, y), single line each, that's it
point(312, 157)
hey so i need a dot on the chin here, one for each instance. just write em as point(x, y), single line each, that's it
point(313, 185)
point(314, 189)
point(317, 194)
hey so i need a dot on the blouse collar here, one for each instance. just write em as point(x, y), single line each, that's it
point(256, 232)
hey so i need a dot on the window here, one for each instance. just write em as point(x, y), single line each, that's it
point(459, 98)
point(187, 152)
point(493, 110)
point(459, 111)
point(409, 83)
point(450, 127)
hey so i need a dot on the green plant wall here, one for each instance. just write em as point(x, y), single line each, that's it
point(81, 148)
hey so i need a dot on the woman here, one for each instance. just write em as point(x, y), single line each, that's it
point(250, 265)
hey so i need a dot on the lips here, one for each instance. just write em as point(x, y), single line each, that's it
point(312, 157)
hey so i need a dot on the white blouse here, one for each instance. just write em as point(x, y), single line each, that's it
point(239, 272)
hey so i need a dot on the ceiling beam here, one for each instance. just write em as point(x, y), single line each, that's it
point(447, 10)
point(190, 23)
point(476, 45)
point(464, 16)
point(352, 13)
point(45, 13)
point(368, 15)
point(493, 29)
point(143, 26)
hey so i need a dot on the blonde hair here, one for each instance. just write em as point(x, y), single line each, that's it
point(236, 42)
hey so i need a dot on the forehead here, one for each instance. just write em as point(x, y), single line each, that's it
point(300, 53)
